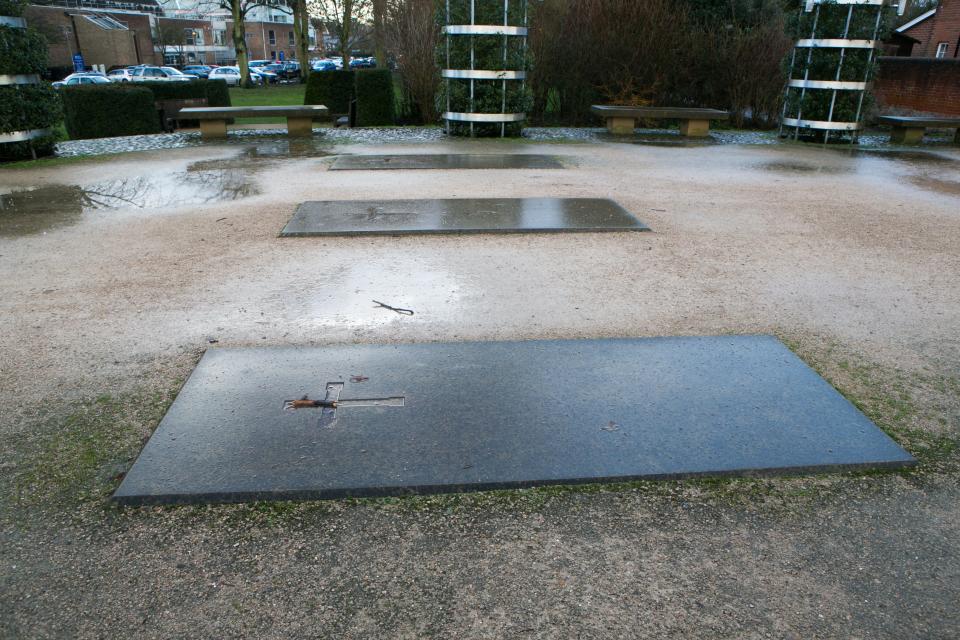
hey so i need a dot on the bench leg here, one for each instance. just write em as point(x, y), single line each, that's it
point(300, 127)
point(213, 128)
point(695, 128)
point(621, 126)
point(906, 135)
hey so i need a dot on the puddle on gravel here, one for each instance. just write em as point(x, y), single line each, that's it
point(912, 157)
point(29, 211)
point(948, 187)
point(787, 166)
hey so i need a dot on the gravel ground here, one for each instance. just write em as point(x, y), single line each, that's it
point(119, 271)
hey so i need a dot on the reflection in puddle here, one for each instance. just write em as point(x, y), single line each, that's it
point(28, 211)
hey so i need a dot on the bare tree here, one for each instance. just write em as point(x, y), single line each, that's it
point(301, 34)
point(411, 34)
point(171, 36)
point(379, 37)
point(342, 18)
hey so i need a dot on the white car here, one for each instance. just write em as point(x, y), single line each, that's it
point(230, 75)
point(158, 74)
point(84, 78)
point(120, 75)
point(176, 73)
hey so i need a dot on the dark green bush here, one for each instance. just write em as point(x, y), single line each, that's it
point(215, 91)
point(490, 52)
point(103, 111)
point(12, 7)
point(333, 89)
point(375, 97)
point(22, 50)
point(28, 106)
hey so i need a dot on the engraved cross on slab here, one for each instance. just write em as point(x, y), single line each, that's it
point(329, 405)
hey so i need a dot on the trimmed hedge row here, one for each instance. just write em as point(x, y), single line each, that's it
point(372, 89)
point(333, 89)
point(375, 100)
point(22, 50)
point(215, 91)
point(103, 111)
point(25, 107)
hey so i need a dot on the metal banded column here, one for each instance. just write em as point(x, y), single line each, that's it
point(19, 79)
point(831, 68)
point(462, 109)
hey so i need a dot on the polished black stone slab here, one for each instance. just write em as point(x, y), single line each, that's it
point(485, 215)
point(447, 161)
point(468, 416)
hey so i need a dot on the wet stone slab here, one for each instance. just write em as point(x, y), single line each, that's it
point(447, 161)
point(260, 423)
point(484, 215)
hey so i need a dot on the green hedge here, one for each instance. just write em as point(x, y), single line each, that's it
point(215, 91)
point(103, 111)
point(28, 106)
point(333, 89)
point(22, 51)
point(12, 7)
point(375, 99)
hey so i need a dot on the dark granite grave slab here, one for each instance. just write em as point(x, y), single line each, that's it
point(486, 215)
point(447, 161)
point(455, 417)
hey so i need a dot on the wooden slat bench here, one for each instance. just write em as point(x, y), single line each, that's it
point(910, 129)
point(694, 122)
point(213, 120)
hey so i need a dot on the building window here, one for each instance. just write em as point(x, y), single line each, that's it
point(942, 49)
point(220, 37)
point(272, 37)
point(290, 37)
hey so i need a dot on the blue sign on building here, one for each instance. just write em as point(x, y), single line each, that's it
point(281, 56)
point(78, 62)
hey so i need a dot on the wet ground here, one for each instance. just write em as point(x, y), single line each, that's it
point(109, 295)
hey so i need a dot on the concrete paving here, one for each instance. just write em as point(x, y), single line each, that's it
point(441, 161)
point(463, 215)
point(851, 259)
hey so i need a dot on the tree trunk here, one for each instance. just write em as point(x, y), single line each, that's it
point(346, 32)
point(240, 42)
point(301, 32)
point(379, 10)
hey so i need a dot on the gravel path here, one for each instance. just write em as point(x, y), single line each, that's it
point(118, 272)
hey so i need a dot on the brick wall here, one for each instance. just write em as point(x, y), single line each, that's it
point(919, 86)
point(943, 26)
point(946, 28)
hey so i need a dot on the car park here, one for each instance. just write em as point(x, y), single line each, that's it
point(158, 74)
point(82, 78)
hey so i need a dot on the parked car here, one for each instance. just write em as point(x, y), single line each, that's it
point(324, 65)
point(363, 63)
point(85, 77)
point(176, 73)
point(262, 76)
point(230, 75)
point(198, 70)
point(259, 63)
point(120, 75)
point(158, 74)
point(283, 70)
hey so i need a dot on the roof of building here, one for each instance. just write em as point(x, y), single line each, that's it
point(920, 18)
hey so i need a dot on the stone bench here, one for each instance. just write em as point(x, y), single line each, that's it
point(694, 122)
point(213, 120)
point(910, 129)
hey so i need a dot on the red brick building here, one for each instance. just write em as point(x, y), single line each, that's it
point(937, 32)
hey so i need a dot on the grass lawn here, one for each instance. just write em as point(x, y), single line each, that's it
point(286, 94)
